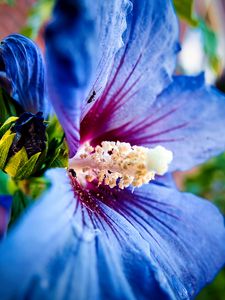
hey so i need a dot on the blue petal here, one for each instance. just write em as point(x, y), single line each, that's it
point(5, 206)
point(186, 236)
point(166, 180)
point(70, 46)
point(61, 250)
point(195, 125)
point(111, 24)
point(82, 40)
point(153, 243)
point(189, 119)
point(141, 70)
point(22, 72)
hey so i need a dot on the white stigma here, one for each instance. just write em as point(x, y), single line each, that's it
point(120, 164)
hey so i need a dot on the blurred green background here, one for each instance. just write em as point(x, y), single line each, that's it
point(202, 36)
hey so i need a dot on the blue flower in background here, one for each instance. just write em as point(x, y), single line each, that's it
point(109, 70)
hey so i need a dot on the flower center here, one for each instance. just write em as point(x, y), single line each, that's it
point(120, 164)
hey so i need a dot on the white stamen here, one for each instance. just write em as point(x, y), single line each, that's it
point(120, 163)
point(158, 159)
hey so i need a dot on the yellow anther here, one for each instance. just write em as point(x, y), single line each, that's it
point(120, 163)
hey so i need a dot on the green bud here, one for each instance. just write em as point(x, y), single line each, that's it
point(24, 140)
point(29, 146)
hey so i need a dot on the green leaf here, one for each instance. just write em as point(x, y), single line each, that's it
point(39, 14)
point(26, 170)
point(20, 202)
point(5, 144)
point(9, 2)
point(8, 123)
point(4, 179)
point(209, 181)
point(25, 192)
point(16, 162)
point(57, 156)
point(55, 131)
point(210, 44)
point(184, 9)
point(34, 186)
point(8, 106)
point(60, 160)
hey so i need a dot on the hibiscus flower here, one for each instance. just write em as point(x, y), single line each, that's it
point(114, 226)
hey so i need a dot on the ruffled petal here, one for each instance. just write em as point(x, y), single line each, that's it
point(5, 207)
point(22, 73)
point(141, 70)
point(82, 40)
point(61, 249)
